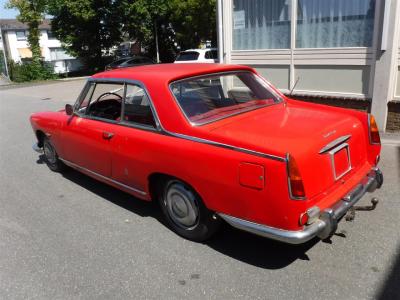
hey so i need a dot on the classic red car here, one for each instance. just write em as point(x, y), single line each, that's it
point(212, 142)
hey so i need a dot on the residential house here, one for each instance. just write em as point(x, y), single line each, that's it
point(15, 34)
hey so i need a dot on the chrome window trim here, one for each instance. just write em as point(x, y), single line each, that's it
point(332, 159)
point(194, 124)
point(73, 165)
point(161, 130)
point(81, 97)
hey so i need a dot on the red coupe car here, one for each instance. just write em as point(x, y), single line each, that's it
point(216, 142)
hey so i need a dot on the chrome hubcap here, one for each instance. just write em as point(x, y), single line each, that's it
point(181, 206)
point(50, 153)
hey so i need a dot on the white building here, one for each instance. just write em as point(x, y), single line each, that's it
point(346, 51)
point(16, 46)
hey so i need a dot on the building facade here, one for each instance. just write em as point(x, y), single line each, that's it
point(16, 46)
point(341, 50)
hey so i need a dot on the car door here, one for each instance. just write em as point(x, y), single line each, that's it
point(133, 144)
point(89, 132)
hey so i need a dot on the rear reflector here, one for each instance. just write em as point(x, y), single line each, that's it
point(296, 188)
point(374, 137)
point(310, 216)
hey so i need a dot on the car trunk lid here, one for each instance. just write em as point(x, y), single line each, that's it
point(327, 144)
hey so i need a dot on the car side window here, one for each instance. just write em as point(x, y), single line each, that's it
point(106, 101)
point(137, 109)
point(81, 104)
point(208, 55)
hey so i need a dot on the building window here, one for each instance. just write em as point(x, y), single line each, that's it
point(59, 54)
point(21, 35)
point(335, 23)
point(50, 35)
point(261, 24)
point(266, 24)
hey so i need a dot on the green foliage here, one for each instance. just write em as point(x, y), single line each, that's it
point(31, 12)
point(28, 71)
point(87, 28)
point(182, 23)
point(2, 63)
point(194, 21)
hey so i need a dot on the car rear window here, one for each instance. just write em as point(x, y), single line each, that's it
point(188, 55)
point(209, 98)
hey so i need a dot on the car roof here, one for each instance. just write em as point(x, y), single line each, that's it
point(166, 73)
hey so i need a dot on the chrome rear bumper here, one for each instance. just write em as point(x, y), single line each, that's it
point(324, 226)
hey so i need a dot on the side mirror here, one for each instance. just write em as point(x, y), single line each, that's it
point(69, 110)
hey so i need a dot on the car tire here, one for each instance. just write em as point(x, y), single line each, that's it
point(51, 157)
point(185, 212)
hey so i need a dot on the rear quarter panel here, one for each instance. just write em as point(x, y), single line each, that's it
point(212, 171)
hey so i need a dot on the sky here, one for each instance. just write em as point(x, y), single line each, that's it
point(7, 13)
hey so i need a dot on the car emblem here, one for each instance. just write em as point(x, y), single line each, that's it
point(329, 133)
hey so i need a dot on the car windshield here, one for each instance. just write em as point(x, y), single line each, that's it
point(188, 55)
point(209, 98)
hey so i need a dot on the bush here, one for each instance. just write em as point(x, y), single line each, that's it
point(29, 70)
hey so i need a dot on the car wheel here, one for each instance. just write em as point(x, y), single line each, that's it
point(185, 212)
point(51, 157)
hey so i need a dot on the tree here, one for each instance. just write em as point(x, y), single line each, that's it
point(87, 28)
point(143, 19)
point(194, 21)
point(178, 23)
point(32, 13)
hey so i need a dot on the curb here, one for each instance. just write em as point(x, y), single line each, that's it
point(37, 83)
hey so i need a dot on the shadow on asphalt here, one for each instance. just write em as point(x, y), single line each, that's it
point(390, 288)
point(248, 248)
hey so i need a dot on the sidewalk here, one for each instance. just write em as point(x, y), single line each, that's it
point(12, 85)
point(390, 138)
point(4, 81)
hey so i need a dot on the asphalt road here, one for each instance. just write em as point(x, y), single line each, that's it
point(70, 237)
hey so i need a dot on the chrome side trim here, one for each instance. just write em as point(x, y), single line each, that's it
point(226, 146)
point(75, 166)
point(322, 227)
point(334, 143)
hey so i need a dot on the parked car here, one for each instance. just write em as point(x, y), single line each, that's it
point(198, 56)
point(129, 62)
point(214, 142)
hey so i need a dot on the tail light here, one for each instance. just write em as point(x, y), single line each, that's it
point(374, 137)
point(295, 182)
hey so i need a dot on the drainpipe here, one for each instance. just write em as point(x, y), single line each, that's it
point(220, 32)
point(4, 52)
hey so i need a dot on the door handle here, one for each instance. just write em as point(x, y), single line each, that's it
point(107, 135)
